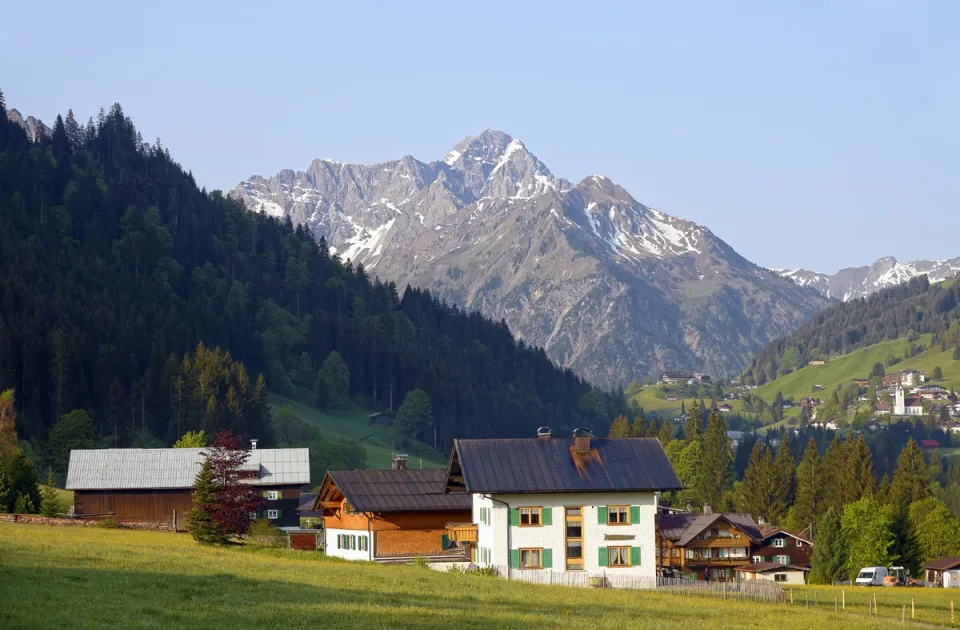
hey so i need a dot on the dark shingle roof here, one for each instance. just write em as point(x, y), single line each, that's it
point(682, 528)
point(535, 465)
point(398, 490)
point(943, 564)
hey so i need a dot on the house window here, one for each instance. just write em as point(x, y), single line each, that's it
point(757, 559)
point(781, 560)
point(779, 577)
point(273, 514)
point(618, 556)
point(530, 517)
point(779, 542)
point(799, 543)
point(530, 558)
point(273, 495)
point(618, 514)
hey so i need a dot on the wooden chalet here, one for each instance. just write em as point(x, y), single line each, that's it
point(784, 547)
point(935, 568)
point(391, 515)
point(156, 485)
point(705, 546)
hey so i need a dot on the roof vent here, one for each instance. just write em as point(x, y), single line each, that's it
point(581, 440)
point(707, 509)
point(253, 444)
point(399, 461)
point(544, 433)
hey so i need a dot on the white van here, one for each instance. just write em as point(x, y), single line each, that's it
point(871, 576)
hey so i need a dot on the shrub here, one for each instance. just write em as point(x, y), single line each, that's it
point(264, 534)
point(108, 523)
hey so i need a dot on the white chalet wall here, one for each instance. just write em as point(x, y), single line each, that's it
point(330, 544)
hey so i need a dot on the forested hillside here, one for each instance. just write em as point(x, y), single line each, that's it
point(115, 266)
point(910, 309)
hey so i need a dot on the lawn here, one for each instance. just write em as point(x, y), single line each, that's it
point(93, 578)
point(929, 603)
point(353, 424)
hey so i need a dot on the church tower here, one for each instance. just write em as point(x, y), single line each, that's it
point(899, 407)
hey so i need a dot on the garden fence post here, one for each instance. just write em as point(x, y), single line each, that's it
point(836, 604)
point(843, 595)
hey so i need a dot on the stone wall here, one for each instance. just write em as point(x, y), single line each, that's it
point(34, 519)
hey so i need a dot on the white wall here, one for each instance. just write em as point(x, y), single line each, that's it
point(553, 536)
point(793, 577)
point(330, 544)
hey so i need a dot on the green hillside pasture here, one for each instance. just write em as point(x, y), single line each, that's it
point(353, 424)
point(92, 578)
point(842, 369)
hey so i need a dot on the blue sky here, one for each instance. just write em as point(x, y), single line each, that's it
point(822, 134)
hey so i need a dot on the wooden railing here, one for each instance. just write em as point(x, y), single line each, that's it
point(462, 532)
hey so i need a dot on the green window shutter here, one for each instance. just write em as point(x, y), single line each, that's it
point(635, 556)
point(602, 519)
point(444, 541)
point(547, 559)
point(788, 559)
point(602, 560)
point(634, 514)
point(264, 494)
point(514, 516)
point(338, 541)
point(514, 558)
point(279, 513)
point(548, 516)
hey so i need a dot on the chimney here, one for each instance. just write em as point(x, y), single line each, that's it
point(581, 440)
point(544, 433)
point(399, 461)
point(253, 444)
point(707, 509)
point(760, 521)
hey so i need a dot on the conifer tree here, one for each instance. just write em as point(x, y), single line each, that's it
point(692, 428)
point(834, 463)
point(857, 476)
point(911, 479)
point(203, 527)
point(784, 474)
point(652, 430)
point(829, 561)
point(24, 505)
point(666, 433)
point(810, 486)
point(620, 428)
point(717, 460)
point(638, 427)
point(23, 481)
point(49, 503)
point(905, 548)
point(757, 493)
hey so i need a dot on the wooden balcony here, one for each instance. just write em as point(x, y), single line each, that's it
point(462, 532)
point(716, 562)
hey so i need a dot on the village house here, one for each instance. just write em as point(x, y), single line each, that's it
point(670, 378)
point(906, 378)
point(706, 546)
point(391, 515)
point(862, 382)
point(929, 445)
point(562, 504)
point(155, 485)
point(882, 408)
point(784, 547)
point(912, 406)
point(817, 362)
point(773, 572)
point(670, 398)
point(381, 418)
point(724, 408)
point(935, 568)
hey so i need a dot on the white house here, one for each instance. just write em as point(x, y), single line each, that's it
point(912, 406)
point(564, 504)
point(773, 572)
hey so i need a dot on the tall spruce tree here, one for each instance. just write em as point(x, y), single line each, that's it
point(811, 480)
point(829, 561)
point(6, 490)
point(757, 492)
point(784, 485)
point(203, 526)
point(857, 476)
point(905, 547)
point(911, 479)
point(692, 427)
point(652, 430)
point(49, 502)
point(666, 432)
point(834, 463)
point(619, 428)
point(717, 460)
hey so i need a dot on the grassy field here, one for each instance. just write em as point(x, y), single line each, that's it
point(92, 578)
point(858, 364)
point(353, 424)
point(929, 603)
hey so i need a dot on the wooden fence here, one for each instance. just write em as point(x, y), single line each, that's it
point(754, 590)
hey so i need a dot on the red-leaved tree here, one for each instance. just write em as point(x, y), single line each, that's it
point(234, 496)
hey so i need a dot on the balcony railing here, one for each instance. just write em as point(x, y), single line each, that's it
point(462, 532)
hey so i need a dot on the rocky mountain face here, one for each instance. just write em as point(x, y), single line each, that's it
point(855, 282)
point(609, 287)
point(33, 126)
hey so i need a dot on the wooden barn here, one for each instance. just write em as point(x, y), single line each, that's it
point(156, 485)
point(391, 515)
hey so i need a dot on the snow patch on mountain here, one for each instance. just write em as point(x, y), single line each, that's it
point(855, 282)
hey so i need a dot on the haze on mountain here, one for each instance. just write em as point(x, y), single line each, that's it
point(610, 288)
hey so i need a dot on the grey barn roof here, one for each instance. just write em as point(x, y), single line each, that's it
point(537, 465)
point(398, 490)
point(176, 468)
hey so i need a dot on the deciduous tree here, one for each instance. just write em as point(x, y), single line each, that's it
point(192, 439)
point(865, 527)
point(936, 529)
point(415, 415)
